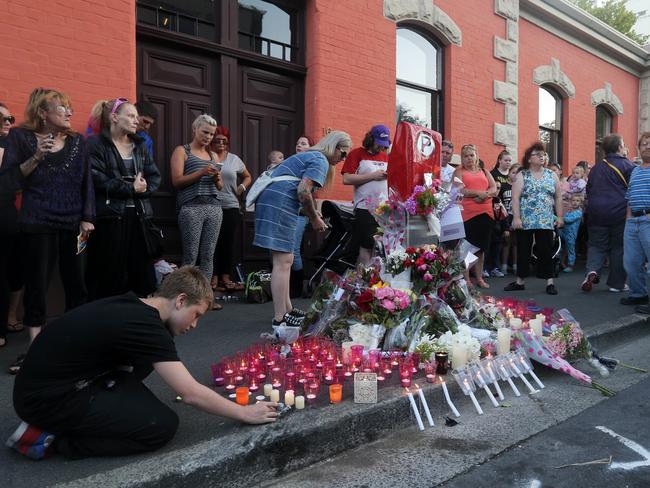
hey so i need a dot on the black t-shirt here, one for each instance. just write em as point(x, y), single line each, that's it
point(82, 345)
point(3, 142)
point(505, 192)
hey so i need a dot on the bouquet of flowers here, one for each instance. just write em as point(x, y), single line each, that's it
point(381, 304)
point(431, 268)
point(423, 200)
point(464, 338)
point(391, 218)
point(569, 342)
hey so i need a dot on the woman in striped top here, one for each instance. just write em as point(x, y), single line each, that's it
point(197, 178)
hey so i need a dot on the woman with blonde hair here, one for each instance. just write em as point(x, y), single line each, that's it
point(478, 212)
point(277, 208)
point(125, 176)
point(196, 176)
point(57, 205)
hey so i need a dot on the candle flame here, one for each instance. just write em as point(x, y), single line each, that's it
point(417, 386)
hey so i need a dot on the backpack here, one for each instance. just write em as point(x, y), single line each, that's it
point(264, 180)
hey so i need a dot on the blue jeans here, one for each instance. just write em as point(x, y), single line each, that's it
point(301, 223)
point(636, 253)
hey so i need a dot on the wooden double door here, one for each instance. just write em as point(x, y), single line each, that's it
point(261, 106)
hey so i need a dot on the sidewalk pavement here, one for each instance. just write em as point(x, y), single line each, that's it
point(232, 329)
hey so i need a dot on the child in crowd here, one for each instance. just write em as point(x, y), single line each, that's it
point(275, 159)
point(508, 244)
point(574, 185)
point(569, 233)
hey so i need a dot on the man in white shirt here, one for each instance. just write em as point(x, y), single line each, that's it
point(446, 169)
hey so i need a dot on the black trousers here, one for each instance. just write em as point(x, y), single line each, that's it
point(543, 251)
point(8, 237)
point(41, 251)
point(224, 253)
point(118, 260)
point(125, 419)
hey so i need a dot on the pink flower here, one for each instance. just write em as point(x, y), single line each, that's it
point(427, 277)
point(404, 302)
point(422, 267)
point(388, 305)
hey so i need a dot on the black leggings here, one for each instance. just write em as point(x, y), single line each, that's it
point(41, 252)
point(543, 252)
point(224, 253)
point(126, 419)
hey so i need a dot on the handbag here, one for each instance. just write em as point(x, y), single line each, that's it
point(153, 235)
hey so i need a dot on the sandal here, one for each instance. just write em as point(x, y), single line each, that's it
point(232, 286)
point(216, 306)
point(15, 366)
point(482, 284)
point(15, 327)
point(214, 282)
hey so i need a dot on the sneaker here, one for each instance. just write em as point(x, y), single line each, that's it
point(486, 274)
point(589, 281)
point(568, 269)
point(296, 312)
point(292, 320)
point(551, 290)
point(504, 269)
point(634, 300)
point(514, 286)
point(496, 273)
point(31, 441)
point(619, 290)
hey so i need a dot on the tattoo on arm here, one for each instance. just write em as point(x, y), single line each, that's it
point(305, 198)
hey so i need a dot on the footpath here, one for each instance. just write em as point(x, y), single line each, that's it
point(210, 451)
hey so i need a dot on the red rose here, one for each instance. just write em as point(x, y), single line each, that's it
point(445, 276)
point(364, 300)
point(410, 250)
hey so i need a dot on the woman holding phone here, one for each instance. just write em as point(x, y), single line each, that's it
point(196, 175)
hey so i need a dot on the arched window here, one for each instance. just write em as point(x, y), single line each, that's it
point(550, 122)
point(419, 80)
point(604, 125)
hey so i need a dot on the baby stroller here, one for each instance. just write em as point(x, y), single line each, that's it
point(335, 253)
point(556, 255)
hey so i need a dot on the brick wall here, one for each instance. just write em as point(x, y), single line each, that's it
point(588, 73)
point(83, 48)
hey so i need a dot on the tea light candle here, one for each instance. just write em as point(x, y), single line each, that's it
point(503, 340)
point(275, 396)
point(268, 388)
point(300, 402)
point(448, 398)
point(289, 398)
point(459, 354)
point(414, 407)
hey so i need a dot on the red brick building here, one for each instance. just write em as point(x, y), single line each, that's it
point(494, 73)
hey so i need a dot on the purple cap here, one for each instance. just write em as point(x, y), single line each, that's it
point(381, 135)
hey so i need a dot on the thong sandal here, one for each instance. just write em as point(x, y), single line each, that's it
point(216, 306)
point(15, 328)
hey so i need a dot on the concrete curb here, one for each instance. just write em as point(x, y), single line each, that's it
point(254, 454)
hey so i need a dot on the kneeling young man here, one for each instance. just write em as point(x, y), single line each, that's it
point(80, 387)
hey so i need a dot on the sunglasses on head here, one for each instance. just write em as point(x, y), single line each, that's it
point(8, 118)
point(117, 103)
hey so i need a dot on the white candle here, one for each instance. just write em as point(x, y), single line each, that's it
point(541, 317)
point(268, 388)
point(425, 405)
point(512, 385)
point(300, 402)
point(495, 381)
point(471, 395)
point(415, 410)
point(529, 370)
point(522, 377)
point(487, 390)
point(516, 323)
point(449, 402)
point(536, 326)
point(289, 398)
point(459, 355)
point(503, 340)
point(275, 396)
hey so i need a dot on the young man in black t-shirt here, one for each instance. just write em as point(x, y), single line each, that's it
point(80, 387)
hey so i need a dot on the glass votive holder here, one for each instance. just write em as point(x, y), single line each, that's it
point(336, 393)
point(241, 395)
point(217, 374)
point(442, 360)
point(356, 353)
point(329, 375)
point(312, 388)
point(415, 362)
point(239, 378)
point(430, 368)
point(386, 368)
point(395, 356)
point(405, 373)
point(229, 382)
point(290, 380)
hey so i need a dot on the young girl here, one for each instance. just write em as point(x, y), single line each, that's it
point(507, 241)
point(569, 232)
point(500, 173)
point(574, 185)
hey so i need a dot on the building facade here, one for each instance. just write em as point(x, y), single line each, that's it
point(496, 73)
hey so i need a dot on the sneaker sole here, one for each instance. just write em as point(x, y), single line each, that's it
point(589, 281)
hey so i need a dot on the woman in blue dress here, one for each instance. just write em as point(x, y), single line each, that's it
point(276, 213)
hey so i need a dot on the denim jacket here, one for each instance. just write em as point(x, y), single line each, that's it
point(107, 166)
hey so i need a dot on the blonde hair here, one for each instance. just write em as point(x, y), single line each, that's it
point(189, 280)
point(38, 101)
point(467, 148)
point(328, 145)
point(203, 119)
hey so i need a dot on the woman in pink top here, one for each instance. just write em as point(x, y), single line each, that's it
point(478, 214)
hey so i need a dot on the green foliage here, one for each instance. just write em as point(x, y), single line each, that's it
point(615, 14)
